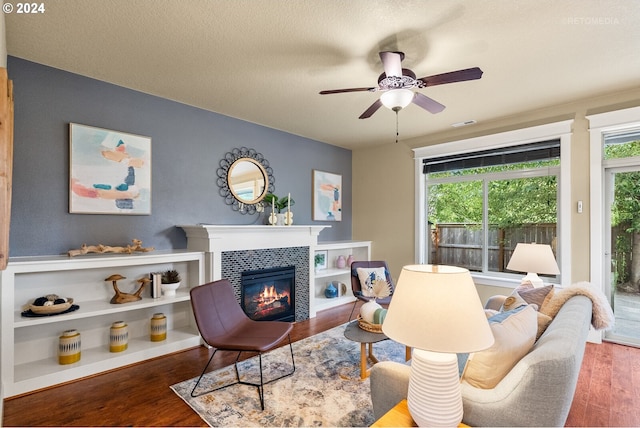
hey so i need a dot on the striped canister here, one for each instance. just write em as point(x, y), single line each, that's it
point(69, 347)
point(118, 336)
point(158, 327)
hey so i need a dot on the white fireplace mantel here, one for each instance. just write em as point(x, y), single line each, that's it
point(215, 239)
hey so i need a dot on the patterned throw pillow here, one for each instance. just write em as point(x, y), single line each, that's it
point(368, 275)
point(514, 332)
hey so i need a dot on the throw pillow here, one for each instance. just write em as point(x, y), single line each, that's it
point(515, 301)
point(368, 275)
point(536, 296)
point(490, 312)
point(514, 333)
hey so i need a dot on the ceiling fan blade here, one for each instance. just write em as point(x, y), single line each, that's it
point(452, 76)
point(427, 103)
point(339, 91)
point(392, 63)
point(372, 109)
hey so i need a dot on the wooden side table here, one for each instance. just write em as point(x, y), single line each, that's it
point(367, 339)
point(399, 417)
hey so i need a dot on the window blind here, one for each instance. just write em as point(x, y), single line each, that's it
point(539, 151)
point(622, 138)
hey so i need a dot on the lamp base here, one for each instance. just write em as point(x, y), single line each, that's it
point(534, 279)
point(434, 398)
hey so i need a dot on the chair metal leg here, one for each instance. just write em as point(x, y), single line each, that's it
point(353, 309)
point(260, 385)
point(204, 371)
point(202, 374)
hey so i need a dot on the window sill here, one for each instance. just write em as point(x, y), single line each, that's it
point(498, 281)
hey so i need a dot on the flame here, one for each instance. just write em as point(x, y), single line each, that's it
point(270, 301)
point(269, 293)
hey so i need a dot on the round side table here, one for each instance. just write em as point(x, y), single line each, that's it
point(354, 333)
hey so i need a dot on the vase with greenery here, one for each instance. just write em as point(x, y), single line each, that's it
point(170, 282)
point(280, 206)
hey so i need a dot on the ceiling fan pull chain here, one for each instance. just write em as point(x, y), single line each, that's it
point(397, 133)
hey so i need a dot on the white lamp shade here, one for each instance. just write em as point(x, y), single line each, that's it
point(397, 98)
point(534, 258)
point(437, 308)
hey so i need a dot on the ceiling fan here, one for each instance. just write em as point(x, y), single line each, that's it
point(397, 82)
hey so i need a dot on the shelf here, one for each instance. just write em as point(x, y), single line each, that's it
point(324, 273)
point(36, 374)
point(360, 250)
point(61, 263)
point(29, 351)
point(95, 308)
point(342, 245)
point(324, 303)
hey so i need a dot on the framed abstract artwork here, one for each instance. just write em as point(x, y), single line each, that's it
point(327, 196)
point(110, 172)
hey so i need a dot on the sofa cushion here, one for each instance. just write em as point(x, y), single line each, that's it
point(514, 333)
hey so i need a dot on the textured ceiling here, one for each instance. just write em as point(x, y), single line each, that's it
point(264, 61)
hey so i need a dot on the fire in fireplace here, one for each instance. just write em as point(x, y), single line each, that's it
point(268, 294)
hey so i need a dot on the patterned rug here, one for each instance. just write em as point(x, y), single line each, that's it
point(325, 390)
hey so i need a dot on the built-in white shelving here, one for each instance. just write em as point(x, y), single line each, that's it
point(29, 345)
point(360, 250)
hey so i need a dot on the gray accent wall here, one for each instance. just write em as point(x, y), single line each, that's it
point(187, 144)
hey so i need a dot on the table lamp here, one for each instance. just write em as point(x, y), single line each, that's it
point(533, 259)
point(436, 310)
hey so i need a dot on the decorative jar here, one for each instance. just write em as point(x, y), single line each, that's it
point(330, 291)
point(350, 260)
point(368, 309)
point(341, 262)
point(69, 347)
point(158, 327)
point(118, 336)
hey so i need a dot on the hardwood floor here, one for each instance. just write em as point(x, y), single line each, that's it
point(608, 392)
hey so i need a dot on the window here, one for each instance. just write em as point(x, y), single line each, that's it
point(479, 197)
point(478, 213)
point(619, 145)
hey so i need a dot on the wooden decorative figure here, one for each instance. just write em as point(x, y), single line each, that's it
point(121, 297)
point(136, 247)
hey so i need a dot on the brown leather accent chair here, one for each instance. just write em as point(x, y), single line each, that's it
point(224, 326)
point(356, 286)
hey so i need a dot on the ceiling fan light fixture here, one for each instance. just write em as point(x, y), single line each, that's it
point(397, 99)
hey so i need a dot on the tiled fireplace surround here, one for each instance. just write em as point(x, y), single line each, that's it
point(229, 250)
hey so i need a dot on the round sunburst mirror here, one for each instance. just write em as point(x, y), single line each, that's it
point(244, 178)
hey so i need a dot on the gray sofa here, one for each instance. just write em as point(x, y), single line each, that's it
point(538, 391)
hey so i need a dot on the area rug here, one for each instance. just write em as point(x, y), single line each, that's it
point(325, 390)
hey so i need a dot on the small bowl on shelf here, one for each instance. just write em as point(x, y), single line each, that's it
point(51, 309)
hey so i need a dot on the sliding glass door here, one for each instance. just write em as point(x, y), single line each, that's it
point(622, 253)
